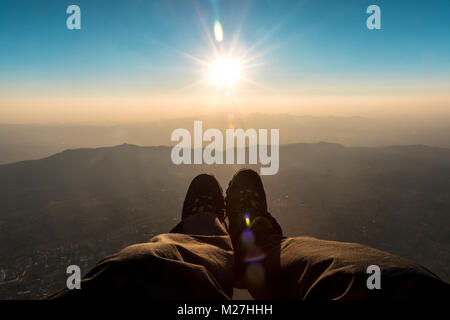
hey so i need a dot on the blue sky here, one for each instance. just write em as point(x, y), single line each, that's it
point(135, 45)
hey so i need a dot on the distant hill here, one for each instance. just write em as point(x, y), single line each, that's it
point(24, 142)
point(79, 205)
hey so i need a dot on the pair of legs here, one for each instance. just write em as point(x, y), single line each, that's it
point(202, 259)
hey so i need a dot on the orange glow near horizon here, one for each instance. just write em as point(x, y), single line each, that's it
point(119, 109)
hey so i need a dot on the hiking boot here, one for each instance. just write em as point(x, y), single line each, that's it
point(249, 220)
point(204, 195)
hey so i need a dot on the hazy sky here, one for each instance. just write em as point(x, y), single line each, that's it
point(141, 60)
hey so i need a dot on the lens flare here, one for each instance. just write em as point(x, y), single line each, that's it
point(254, 254)
point(218, 31)
point(247, 220)
point(247, 237)
point(255, 274)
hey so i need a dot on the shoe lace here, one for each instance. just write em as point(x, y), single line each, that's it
point(247, 201)
point(205, 203)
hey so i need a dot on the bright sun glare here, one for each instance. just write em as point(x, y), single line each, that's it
point(228, 64)
point(225, 72)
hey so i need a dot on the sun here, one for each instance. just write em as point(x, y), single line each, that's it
point(225, 72)
point(229, 66)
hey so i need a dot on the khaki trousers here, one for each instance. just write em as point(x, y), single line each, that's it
point(196, 261)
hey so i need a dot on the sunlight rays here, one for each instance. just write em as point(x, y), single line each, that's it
point(228, 68)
